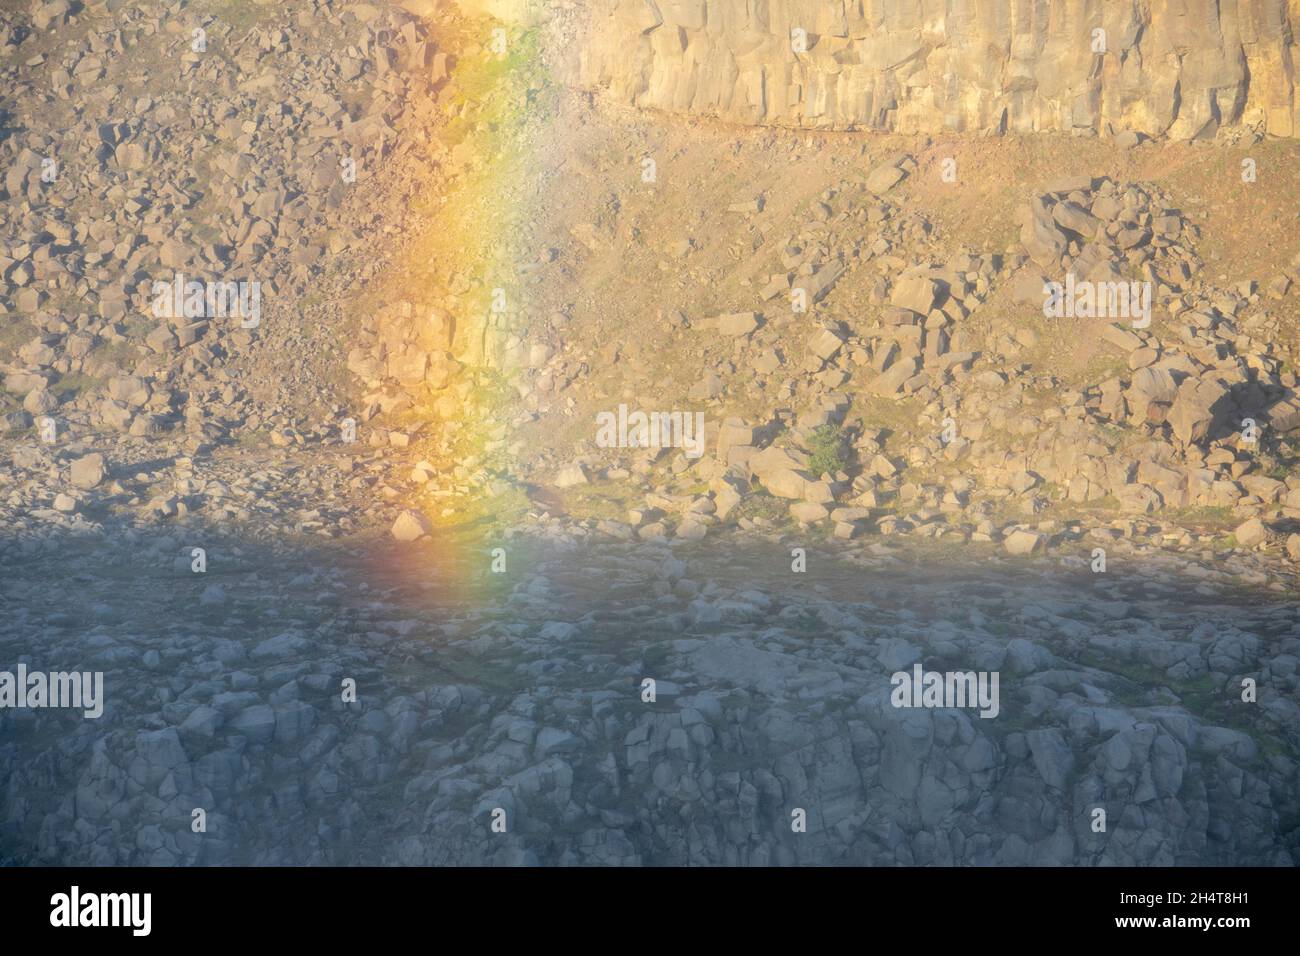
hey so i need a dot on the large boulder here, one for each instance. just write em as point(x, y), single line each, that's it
point(1022, 542)
point(1076, 219)
point(893, 378)
point(1197, 409)
point(130, 390)
point(1251, 533)
point(88, 471)
point(885, 177)
point(1152, 393)
point(918, 293)
point(783, 473)
point(737, 323)
point(1044, 242)
point(1284, 414)
point(571, 475)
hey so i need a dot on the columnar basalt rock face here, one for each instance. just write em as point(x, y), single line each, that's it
point(1176, 68)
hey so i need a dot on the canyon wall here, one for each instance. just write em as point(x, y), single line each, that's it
point(1176, 68)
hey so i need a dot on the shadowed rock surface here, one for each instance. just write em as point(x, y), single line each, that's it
point(523, 691)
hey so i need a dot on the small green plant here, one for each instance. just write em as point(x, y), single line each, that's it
point(827, 452)
point(69, 386)
point(1276, 469)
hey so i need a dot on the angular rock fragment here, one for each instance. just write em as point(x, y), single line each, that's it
point(1044, 242)
point(410, 526)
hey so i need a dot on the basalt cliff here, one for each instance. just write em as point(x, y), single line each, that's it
point(1176, 68)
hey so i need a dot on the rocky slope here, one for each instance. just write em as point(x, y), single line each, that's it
point(134, 157)
point(438, 336)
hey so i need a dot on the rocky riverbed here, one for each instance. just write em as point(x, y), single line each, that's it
point(503, 716)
